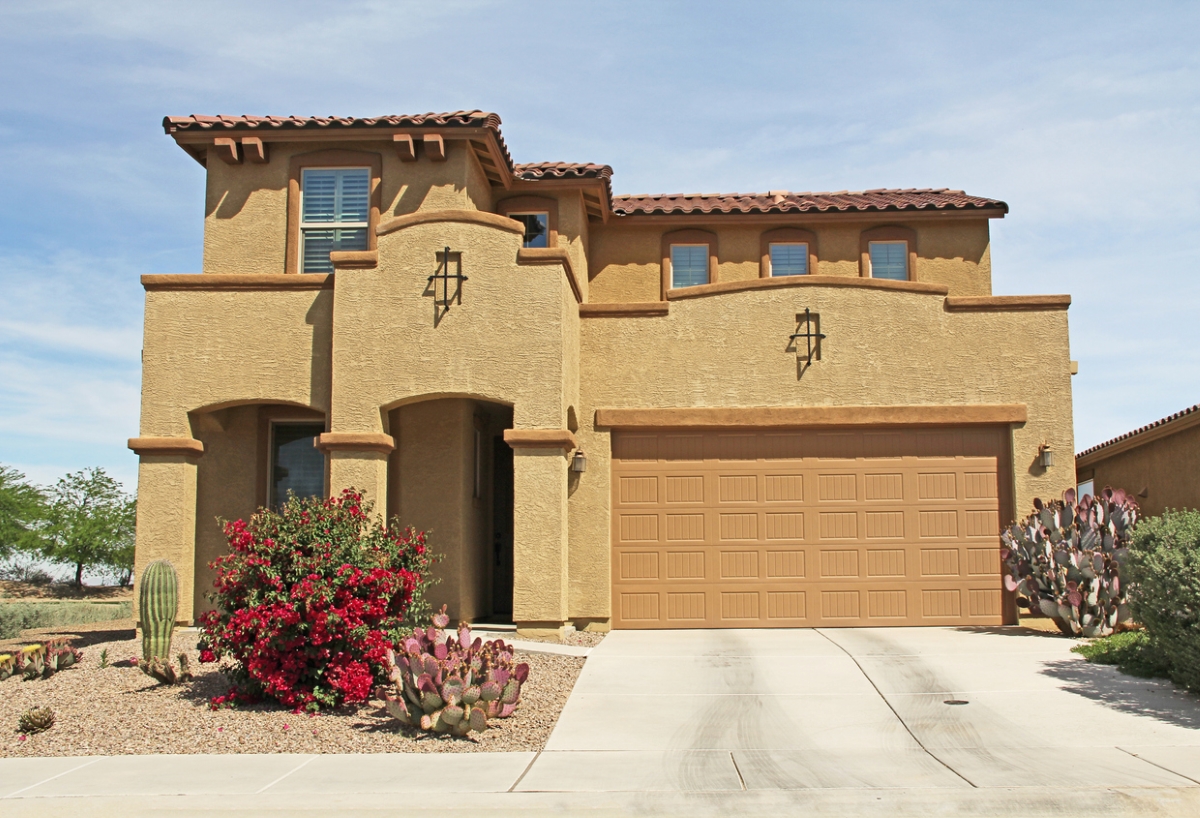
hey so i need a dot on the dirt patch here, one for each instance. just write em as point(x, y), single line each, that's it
point(10, 590)
point(118, 710)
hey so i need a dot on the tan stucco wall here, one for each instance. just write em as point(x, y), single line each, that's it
point(1167, 469)
point(201, 349)
point(883, 348)
point(226, 484)
point(245, 215)
point(166, 523)
point(626, 257)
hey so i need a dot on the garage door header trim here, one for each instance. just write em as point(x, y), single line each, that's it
point(814, 416)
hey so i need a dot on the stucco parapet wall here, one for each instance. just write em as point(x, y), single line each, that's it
point(219, 282)
point(1007, 303)
point(1136, 440)
point(540, 438)
point(552, 255)
point(356, 442)
point(354, 259)
point(166, 446)
point(624, 310)
point(806, 281)
point(952, 415)
point(436, 216)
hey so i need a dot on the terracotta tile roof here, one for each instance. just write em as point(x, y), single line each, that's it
point(563, 170)
point(1140, 430)
point(782, 201)
point(451, 119)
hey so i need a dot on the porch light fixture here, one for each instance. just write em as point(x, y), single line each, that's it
point(579, 462)
point(1045, 456)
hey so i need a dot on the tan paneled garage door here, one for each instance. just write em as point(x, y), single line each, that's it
point(793, 528)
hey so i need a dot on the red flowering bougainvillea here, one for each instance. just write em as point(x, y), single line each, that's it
point(309, 600)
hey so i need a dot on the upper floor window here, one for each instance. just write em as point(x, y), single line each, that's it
point(889, 259)
point(335, 209)
point(789, 259)
point(537, 228)
point(297, 466)
point(689, 265)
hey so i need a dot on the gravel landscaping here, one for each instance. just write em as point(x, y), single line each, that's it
point(118, 710)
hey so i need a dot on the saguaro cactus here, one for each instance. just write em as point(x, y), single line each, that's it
point(158, 603)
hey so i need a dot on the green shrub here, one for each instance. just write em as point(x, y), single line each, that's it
point(17, 616)
point(1132, 651)
point(1164, 562)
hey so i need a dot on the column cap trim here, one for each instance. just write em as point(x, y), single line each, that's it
point(539, 438)
point(356, 442)
point(166, 446)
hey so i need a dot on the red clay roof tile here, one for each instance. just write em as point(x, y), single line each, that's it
point(788, 202)
point(1140, 430)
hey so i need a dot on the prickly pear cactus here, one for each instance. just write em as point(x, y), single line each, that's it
point(1065, 558)
point(445, 684)
point(158, 604)
point(7, 665)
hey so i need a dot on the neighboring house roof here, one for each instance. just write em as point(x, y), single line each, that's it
point(1143, 434)
point(782, 201)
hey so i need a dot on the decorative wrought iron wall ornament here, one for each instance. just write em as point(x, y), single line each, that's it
point(441, 306)
point(808, 327)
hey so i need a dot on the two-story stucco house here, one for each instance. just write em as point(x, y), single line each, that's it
point(766, 410)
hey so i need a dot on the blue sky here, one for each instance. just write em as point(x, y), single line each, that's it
point(1082, 116)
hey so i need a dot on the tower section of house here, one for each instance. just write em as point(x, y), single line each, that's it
point(775, 410)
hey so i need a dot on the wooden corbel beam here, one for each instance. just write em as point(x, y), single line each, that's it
point(435, 147)
point(254, 150)
point(227, 149)
point(405, 148)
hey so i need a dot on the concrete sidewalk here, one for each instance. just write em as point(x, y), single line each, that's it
point(835, 722)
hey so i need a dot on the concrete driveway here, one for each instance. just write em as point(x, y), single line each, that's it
point(927, 708)
point(894, 723)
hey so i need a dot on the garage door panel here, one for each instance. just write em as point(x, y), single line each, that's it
point(852, 528)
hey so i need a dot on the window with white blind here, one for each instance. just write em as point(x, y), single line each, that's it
point(689, 265)
point(335, 205)
point(789, 259)
point(889, 259)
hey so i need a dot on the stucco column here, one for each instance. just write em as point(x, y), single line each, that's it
point(540, 590)
point(166, 513)
point(360, 461)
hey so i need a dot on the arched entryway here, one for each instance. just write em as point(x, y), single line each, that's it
point(451, 475)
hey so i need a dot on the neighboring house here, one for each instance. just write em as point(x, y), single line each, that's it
point(780, 409)
point(1158, 463)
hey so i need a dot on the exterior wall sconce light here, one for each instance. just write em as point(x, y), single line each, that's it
point(579, 462)
point(1045, 456)
point(445, 276)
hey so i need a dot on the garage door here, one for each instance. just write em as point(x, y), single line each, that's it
point(795, 528)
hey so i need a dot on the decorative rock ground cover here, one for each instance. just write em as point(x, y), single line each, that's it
point(118, 710)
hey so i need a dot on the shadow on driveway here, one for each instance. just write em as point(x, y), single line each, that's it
point(1158, 699)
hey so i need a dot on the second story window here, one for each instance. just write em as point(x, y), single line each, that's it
point(537, 228)
point(334, 212)
point(889, 259)
point(789, 259)
point(689, 265)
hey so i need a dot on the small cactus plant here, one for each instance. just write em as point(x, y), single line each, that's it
point(60, 655)
point(162, 669)
point(36, 720)
point(158, 605)
point(7, 665)
point(1065, 558)
point(33, 662)
point(448, 685)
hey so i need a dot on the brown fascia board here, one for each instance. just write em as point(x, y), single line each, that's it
point(1136, 440)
